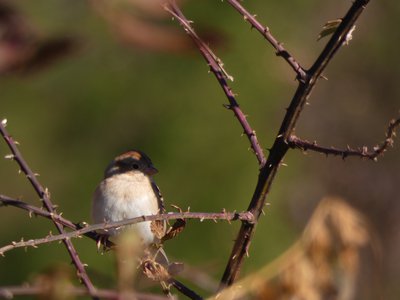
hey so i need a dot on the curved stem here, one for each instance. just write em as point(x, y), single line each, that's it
point(44, 195)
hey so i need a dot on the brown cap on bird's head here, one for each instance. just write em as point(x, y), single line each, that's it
point(131, 161)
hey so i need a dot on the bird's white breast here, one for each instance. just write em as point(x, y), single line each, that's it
point(124, 196)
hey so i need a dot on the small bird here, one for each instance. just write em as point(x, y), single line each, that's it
point(128, 191)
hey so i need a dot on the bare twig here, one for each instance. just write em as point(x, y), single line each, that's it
point(280, 50)
point(89, 231)
point(184, 289)
point(227, 216)
point(45, 197)
point(34, 210)
point(9, 292)
point(295, 142)
point(215, 65)
point(280, 146)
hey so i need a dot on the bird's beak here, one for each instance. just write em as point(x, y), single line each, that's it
point(150, 170)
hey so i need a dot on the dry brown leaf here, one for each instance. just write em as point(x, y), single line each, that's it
point(155, 271)
point(158, 228)
point(175, 229)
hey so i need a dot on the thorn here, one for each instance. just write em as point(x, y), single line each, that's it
point(227, 106)
point(47, 194)
point(284, 165)
point(9, 156)
point(364, 150)
point(263, 212)
point(323, 77)
point(349, 35)
point(98, 244)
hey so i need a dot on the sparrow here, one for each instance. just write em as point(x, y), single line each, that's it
point(128, 191)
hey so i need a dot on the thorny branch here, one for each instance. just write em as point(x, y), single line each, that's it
point(280, 146)
point(225, 216)
point(280, 50)
point(295, 142)
point(45, 197)
point(89, 231)
point(34, 210)
point(216, 66)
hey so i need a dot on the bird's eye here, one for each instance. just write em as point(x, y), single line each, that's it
point(135, 166)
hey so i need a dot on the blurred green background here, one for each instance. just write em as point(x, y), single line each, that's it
point(73, 116)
